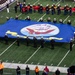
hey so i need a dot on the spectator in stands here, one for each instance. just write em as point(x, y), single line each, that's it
point(69, 22)
point(48, 19)
point(27, 70)
point(7, 6)
point(1, 68)
point(54, 20)
point(46, 70)
point(18, 70)
point(57, 72)
point(6, 39)
point(36, 70)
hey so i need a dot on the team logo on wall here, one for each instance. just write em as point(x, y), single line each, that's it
point(40, 30)
point(2, 1)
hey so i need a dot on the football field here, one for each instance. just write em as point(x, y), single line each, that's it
point(61, 56)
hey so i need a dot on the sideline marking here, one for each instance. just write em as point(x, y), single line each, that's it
point(7, 48)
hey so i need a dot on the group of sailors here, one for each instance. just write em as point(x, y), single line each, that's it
point(48, 9)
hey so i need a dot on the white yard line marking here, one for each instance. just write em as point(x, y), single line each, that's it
point(7, 48)
point(41, 17)
point(66, 18)
point(64, 56)
point(32, 55)
point(58, 2)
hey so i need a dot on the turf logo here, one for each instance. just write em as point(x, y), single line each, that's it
point(40, 29)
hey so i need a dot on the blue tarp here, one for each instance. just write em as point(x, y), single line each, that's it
point(47, 30)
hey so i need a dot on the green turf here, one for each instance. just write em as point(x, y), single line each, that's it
point(43, 55)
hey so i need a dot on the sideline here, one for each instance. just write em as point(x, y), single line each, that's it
point(32, 67)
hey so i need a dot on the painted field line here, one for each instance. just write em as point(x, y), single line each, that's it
point(7, 48)
point(58, 2)
point(33, 4)
point(64, 56)
point(32, 55)
point(41, 17)
point(66, 18)
point(7, 73)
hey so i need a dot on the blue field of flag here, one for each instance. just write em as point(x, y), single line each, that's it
point(22, 28)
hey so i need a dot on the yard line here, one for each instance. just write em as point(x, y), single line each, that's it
point(66, 18)
point(41, 17)
point(64, 56)
point(7, 48)
point(32, 55)
point(7, 73)
point(58, 2)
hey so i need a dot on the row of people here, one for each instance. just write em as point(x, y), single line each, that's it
point(41, 41)
point(36, 70)
point(41, 20)
point(29, 8)
point(27, 40)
